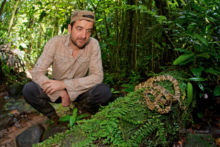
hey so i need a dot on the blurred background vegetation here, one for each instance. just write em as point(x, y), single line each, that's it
point(138, 38)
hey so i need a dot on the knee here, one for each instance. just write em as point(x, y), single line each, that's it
point(28, 90)
point(102, 92)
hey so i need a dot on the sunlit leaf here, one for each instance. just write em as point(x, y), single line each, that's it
point(197, 79)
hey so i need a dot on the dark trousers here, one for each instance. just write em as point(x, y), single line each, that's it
point(89, 101)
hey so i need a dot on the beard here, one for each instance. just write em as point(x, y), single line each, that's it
point(80, 47)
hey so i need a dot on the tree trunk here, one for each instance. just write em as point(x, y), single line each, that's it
point(163, 9)
point(135, 37)
point(162, 6)
point(12, 18)
point(131, 18)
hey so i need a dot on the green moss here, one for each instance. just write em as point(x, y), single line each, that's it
point(125, 122)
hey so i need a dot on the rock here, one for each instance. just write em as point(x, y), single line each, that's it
point(30, 136)
point(18, 104)
point(199, 140)
point(6, 120)
point(10, 108)
point(54, 129)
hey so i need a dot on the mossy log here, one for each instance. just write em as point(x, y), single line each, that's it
point(127, 122)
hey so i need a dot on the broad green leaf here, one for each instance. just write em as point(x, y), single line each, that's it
point(100, 20)
point(182, 50)
point(197, 71)
point(114, 91)
point(201, 39)
point(64, 118)
point(217, 90)
point(71, 121)
point(73, 117)
point(75, 113)
point(212, 71)
point(189, 93)
point(82, 116)
point(204, 55)
point(183, 59)
point(197, 79)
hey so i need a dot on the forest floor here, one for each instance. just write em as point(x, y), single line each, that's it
point(202, 132)
point(9, 134)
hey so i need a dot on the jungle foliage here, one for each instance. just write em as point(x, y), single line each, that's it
point(128, 122)
point(138, 38)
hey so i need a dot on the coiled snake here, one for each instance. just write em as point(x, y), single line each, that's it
point(163, 99)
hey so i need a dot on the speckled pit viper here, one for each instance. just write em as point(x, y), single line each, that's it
point(162, 99)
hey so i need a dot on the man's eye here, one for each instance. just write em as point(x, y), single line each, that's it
point(89, 31)
point(79, 28)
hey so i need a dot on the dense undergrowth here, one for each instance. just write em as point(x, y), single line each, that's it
point(128, 122)
point(137, 38)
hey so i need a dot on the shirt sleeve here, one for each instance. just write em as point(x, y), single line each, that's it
point(78, 86)
point(42, 65)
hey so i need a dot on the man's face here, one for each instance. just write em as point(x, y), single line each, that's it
point(80, 32)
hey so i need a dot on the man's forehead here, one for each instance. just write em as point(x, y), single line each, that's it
point(84, 24)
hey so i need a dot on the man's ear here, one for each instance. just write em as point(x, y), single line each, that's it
point(69, 28)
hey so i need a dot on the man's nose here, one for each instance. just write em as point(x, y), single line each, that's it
point(83, 34)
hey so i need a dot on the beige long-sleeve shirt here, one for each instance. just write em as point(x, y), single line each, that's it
point(79, 74)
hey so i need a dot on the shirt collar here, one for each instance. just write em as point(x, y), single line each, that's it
point(67, 41)
point(67, 44)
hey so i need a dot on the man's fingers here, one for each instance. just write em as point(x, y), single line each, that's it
point(51, 91)
point(47, 88)
point(50, 86)
point(65, 101)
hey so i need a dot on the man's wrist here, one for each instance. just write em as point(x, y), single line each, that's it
point(63, 85)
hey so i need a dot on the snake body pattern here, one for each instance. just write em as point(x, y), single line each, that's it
point(163, 99)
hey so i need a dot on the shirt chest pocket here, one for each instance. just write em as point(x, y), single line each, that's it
point(62, 64)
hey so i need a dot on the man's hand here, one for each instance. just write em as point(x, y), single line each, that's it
point(50, 86)
point(65, 98)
